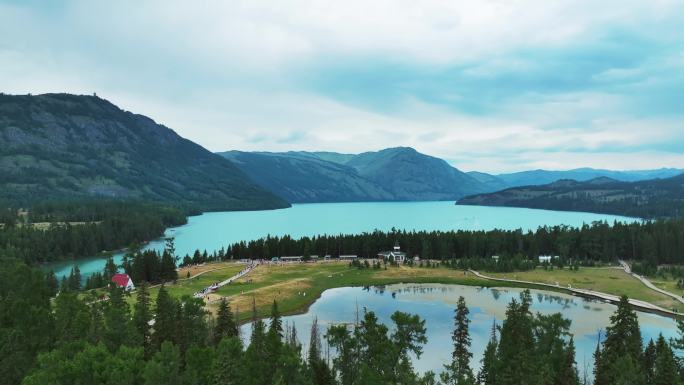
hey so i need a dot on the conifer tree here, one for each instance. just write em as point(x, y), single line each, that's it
point(228, 365)
point(142, 316)
point(76, 284)
point(274, 338)
point(72, 317)
point(458, 372)
point(257, 354)
point(666, 370)
point(649, 359)
point(52, 283)
point(110, 269)
point(165, 366)
point(225, 322)
point(97, 329)
point(118, 328)
point(320, 372)
point(165, 325)
point(516, 359)
point(487, 374)
point(621, 353)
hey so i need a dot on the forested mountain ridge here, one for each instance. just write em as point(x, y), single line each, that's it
point(393, 174)
point(646, 199)
point(411, 175)
point(303, 178)
point(62, 146)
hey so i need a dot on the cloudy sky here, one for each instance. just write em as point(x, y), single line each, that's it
point(490, 85)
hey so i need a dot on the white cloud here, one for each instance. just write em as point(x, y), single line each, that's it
point(220, 73)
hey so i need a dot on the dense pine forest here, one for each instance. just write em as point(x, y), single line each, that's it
point(75, 339)
point(62, 230)
point(655, 242)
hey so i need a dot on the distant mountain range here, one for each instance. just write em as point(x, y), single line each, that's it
point(64, 147)
point(393, 174)
point(540, 177)
point(645, 199)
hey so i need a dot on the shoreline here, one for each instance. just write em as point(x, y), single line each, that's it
point(471, 279)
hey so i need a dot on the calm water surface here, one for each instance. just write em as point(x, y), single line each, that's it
point(211, 231)
point(435, 303)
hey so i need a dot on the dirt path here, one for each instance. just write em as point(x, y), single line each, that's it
point(648, 283)
point(588, 293)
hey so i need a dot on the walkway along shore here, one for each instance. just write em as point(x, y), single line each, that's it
point(649, 284)
point(202, 293)
point(641, 305)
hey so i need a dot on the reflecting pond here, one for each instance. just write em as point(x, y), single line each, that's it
point(435, 303)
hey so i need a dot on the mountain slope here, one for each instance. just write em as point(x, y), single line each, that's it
point(60, 146)
point(647, 199)
point(394, 174)
point(411, 175)
point(304, 178)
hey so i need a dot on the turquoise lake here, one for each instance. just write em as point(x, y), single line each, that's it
point(211, 231)
point(435, 303)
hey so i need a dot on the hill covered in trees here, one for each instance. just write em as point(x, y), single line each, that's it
point(393, 174)
point(303, 178)
point(655, 198)
point(61, 146)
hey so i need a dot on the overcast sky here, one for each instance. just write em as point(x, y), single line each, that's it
point(487, 85)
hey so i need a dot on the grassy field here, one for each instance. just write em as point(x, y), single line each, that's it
point(666, 283)
point(603, 279)
point(296, 286)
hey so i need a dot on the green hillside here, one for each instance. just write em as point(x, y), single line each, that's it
point(61, 146)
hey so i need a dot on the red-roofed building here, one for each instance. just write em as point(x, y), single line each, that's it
point(123, 280)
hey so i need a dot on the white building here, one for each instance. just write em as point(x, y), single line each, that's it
point(547, 258)
point(395, 254)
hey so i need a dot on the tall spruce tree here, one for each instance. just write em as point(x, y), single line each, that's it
point(225, 322)
point(117, 321)
point(257, 354)
point(228, 366)
point(320, 372)
point(516, 357)
point(166, 321)
point(274, 339)
point(666, 368)
point(165, 366)
point(142, 316)
point(52, 283)
point(648, 364)
point(458, 372)
point(621, 355)
point(487, 374)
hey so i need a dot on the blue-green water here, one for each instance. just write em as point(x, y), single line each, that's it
point(211, 231)
point(435, 303)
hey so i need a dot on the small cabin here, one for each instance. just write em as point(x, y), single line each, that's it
point(123, 281)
